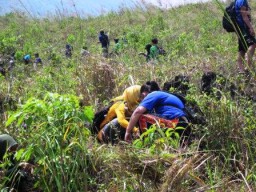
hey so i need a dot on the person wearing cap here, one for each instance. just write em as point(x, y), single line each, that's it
point(7, 144)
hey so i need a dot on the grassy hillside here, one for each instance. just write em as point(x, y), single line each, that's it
point(57, 100)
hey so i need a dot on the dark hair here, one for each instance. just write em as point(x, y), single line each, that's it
point(155, 41)
point(116, 40)
point(102, 32)
point(36, 54)
point(149, 86)
point(84, 47)
point(68, 46)
point(153, 86)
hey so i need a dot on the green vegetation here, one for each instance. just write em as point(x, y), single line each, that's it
point(57, 101)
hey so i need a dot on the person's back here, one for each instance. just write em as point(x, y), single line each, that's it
point(26, 59)
point(239, 18)
point(37, 59)
point(164, 104)
point(103, 38)
point(68, 51)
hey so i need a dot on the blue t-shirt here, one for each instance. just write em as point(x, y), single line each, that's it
point(38, 60)
point(238, 5)
point(27, 57)
point(164, 105)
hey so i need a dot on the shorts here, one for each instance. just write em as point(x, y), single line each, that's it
point(245, 40)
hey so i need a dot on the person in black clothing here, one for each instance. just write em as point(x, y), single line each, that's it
point(103, 39)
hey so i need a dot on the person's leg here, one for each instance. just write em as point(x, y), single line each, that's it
point(247, 45)
point(115, 131)
point(242, 47)
point(241, 61)
point(250, 54)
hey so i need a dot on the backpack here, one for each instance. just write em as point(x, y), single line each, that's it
point(229, 18)
point(99, 116)
point(161, 51)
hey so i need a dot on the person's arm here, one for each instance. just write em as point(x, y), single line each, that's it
point(121, 117)
point(133, 121)
point(245, 16)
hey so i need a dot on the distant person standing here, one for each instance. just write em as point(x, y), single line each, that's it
point(154, 51)
point(37, 61)
point(246, 35)
point(103, 39)
point(68, 51)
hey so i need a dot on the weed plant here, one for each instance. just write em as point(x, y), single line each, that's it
point(49, 110)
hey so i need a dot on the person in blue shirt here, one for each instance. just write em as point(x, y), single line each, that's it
point(37, 61)
point(27, 58)
point(163, 106)
point(246, 35)
point(103, 39)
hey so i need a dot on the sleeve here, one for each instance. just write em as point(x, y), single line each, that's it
point(121, 117)
point(120, 113)
point(110, 115)
point(149, 101)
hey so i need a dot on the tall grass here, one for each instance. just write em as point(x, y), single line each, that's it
point(57, 137)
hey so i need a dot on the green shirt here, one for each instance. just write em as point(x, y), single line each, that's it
point(154, 52)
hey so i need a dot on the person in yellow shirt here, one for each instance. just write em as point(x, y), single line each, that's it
point(114, 125)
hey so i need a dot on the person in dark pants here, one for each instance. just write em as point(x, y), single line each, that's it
point(103, 39)
point(246, 35)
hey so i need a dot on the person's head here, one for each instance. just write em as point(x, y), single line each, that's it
point(116, 40)
point(154, 41)
point(85, 48)
point(101, 32)
point(153, 86)
point(147, 88)
point(36, 55)
point(131, 96)
point(68, 46)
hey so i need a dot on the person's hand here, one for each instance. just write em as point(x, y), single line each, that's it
point(128, 137)
point(136, 135)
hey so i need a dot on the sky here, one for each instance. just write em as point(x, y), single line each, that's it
point(43, 8)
